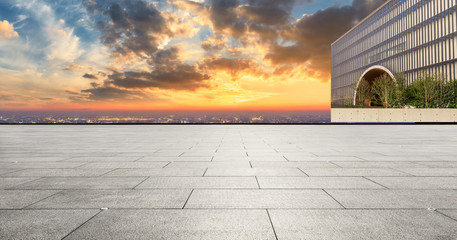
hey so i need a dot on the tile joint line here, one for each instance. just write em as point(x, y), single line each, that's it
point(141, 182)
point(334, 199)
point(271, 222)
point(52, 195)
point(82, 224)
point(257, 182)
point(375, 182)
point(188, 199)
point(438, 211)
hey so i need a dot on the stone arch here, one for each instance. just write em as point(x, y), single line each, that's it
point(370, 75)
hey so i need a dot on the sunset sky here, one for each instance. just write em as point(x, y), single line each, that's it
point(171, 54)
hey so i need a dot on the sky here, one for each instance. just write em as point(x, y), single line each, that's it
point(171, 54)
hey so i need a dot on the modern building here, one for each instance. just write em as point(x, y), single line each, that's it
point(401, 36)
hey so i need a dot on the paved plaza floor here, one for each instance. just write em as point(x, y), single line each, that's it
point(228, 182)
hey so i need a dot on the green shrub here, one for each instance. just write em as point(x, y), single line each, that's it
point(363, 92)
point(428, 91)
point(385, 91)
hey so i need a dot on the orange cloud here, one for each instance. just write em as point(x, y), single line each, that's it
point(7, 30)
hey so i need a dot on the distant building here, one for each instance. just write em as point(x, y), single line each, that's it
point(407, 36)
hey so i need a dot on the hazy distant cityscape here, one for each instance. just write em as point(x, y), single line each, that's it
point(179, 117)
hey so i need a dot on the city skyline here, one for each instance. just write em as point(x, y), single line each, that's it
point(247, 55)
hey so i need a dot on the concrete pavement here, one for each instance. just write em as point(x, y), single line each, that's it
point(228, 182)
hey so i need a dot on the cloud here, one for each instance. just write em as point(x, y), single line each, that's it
point(90, 76)
point(7, 30)
point(138, 28)
point(130, 26)
point(5, 97)
point(181, 77)
point(65, 46)
point(46, 99)
point(232, 66)
point(269, 12)
point(166, 57)
point(313, 34)
point(72, 66)
point(224, 16)
point(71, 92)
point(214, 44)
point(107, 93)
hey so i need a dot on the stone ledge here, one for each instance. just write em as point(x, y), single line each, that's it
point(378, 115)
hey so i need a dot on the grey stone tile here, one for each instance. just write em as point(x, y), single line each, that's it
point(8, 182)
point(262, 154)
point(246, 172)
point(63, 172)
point(299, 156)
point(8, 170)
point(352, 172)
point(362, 224)
point(199, 182)
point(176, 159)
point(83, 183)
point(417, 182)
point(129, 165)
point(182, 172)
point(42, 165)
point(116, 199)
point(431, 172)
point(204, 154)
point(245, 158)
point(178, 224)
point(102, 159)
point(405, 158)
point(440, 164)
point(259, 164)
point(14, 199)
point(209, 165)
point(166, 154)
point(27, 158)
point(450, 213)
point(378, 164)
point(395, 198)
point(317, 182)
point(321, 159)
point(449, 156)
point(261, 199)
point(41, 224)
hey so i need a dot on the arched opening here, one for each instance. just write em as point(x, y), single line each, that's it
point(370, 75)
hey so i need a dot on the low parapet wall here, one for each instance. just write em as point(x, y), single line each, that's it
point(379, 115)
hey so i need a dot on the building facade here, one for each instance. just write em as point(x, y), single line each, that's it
point(401, 36)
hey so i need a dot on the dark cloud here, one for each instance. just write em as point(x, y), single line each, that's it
point(46, 99)
point(72, 92)
point(94, 84)
point(288, 54)
point(228, 64)
point(223, 14)
point(167, 57)
point(129, 26)
point(90, 76)
point(269, 12)
point(265, 18)
point(313, 35)
point(107, 93)
point(137, 27)
point(5, 98)
point(182, 77)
